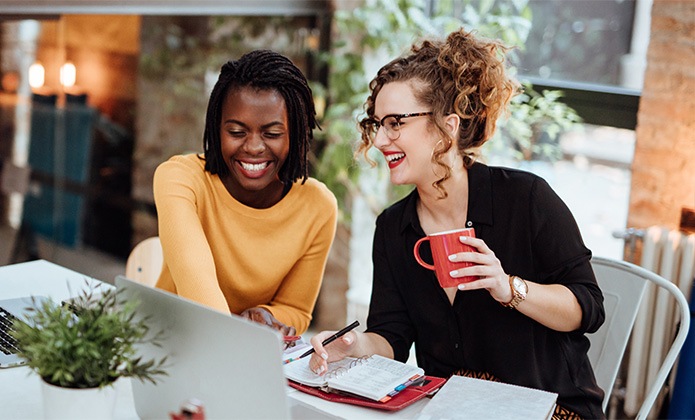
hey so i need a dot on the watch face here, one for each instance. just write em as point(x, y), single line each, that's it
point(520, 286)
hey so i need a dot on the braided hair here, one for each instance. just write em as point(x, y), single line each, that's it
point(264, 69)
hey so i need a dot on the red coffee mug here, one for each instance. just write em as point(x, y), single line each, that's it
point(444, 244)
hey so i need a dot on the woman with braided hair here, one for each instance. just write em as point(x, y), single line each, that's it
point(523, 320)
point(244, 229)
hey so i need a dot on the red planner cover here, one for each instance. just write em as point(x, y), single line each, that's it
point(403, 399)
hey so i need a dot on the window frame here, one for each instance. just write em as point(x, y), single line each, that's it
point(24, 9)
point(611, 106)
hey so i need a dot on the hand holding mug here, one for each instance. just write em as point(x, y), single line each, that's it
point(444, 244)
point(488, 270)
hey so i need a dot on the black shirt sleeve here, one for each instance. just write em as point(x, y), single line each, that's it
point(560, 254)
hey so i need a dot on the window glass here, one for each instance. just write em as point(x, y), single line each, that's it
point(592, 177)
point(580, 40)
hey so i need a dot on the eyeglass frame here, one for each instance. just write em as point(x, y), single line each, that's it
point(378, 124)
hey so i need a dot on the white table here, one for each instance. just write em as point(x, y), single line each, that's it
point(21, 388)
point(21, 394)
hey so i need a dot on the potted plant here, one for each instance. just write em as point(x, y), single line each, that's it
point(83, 348)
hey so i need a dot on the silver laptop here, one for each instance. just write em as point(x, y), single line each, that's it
point(9, 310)
point(232, 365)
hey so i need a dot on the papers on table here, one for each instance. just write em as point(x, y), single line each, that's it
point(469, 398)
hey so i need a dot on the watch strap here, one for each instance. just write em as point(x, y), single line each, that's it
point(516, 296)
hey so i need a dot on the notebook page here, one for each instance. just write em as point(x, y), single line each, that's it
point(299, 371)
point(375, 377)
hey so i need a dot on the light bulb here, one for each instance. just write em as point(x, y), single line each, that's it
point(68, 74)
point(37, 74)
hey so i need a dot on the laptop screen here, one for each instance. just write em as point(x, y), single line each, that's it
point(232, 365)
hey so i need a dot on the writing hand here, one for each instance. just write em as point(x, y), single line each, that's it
point(338, 350)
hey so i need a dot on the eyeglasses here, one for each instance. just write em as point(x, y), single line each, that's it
point(391, 124)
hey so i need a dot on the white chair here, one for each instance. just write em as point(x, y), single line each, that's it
point(623, 285)
point(145, 262)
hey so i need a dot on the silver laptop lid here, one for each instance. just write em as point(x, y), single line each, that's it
point(234, 366)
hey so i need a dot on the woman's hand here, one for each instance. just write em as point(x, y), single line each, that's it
point(487, 267)
point(553, 305)
point(339, 349)
point(263, 316)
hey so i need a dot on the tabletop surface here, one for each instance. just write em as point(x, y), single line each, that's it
point(21, 396)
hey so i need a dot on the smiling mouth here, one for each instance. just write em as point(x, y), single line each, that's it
point(254, 167)
point(395, 157)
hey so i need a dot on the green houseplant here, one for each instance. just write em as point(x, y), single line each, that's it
point(86, 345)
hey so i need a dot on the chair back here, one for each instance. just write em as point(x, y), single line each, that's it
point(145, 262)
point(623, 291)
point(623, 285)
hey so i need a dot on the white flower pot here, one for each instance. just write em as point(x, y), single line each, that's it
point(74, 403)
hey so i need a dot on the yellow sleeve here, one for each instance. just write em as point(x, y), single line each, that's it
point(294, 301)
point(187, 254)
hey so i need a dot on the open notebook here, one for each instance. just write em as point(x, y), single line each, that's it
point(375, 377)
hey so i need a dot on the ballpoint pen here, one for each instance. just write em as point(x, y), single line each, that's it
point(332, 338)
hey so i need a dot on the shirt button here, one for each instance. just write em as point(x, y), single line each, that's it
point(469, 223)
point(456, 345)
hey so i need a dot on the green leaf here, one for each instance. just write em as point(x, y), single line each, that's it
point(90, 350)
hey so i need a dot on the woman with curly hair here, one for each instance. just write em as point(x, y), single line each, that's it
point(523, 321)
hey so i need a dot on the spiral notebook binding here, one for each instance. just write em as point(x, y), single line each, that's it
point(337, 372)
point(360, 360)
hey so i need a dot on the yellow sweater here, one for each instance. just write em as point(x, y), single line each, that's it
point(232, 257)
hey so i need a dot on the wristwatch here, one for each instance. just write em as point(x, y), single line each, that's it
point(519, 291)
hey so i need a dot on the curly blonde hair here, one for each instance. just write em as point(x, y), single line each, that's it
point(465, 75)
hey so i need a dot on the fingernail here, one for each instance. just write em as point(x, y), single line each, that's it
point(347, 339)
point(324, 356)
point(321, 369)
point(463, 238)
point(452, 257)
point(462, 286)
point(453, 273)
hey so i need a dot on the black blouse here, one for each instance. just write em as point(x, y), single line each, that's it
point(535, 236)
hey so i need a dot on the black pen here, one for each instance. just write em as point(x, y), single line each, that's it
point(332, 338)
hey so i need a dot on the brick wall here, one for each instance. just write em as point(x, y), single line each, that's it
point(663, 172)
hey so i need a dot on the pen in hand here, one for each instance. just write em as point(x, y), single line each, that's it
point(332, 338)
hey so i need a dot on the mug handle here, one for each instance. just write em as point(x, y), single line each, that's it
point(416, 252)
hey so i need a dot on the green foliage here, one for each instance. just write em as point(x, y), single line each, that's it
point(90, 349)
point(534, 126)
point(379, 30)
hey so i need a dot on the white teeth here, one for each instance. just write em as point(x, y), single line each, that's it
point(395, 156)
point(254, 166)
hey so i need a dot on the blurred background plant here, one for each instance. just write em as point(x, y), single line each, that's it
point(368, 36)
